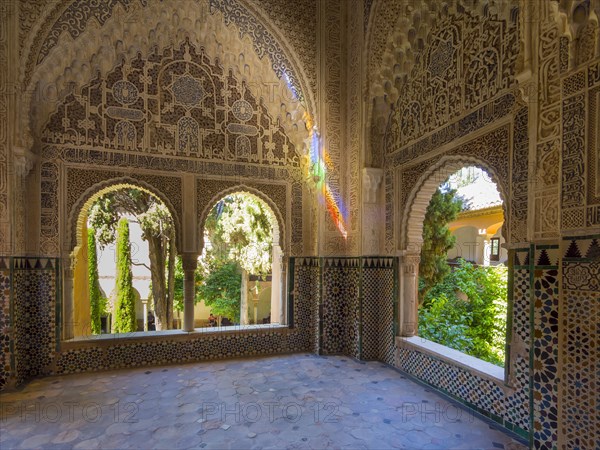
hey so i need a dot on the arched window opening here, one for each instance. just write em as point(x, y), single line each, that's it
point(463, 276)
point(124, 278)
point(239, 272)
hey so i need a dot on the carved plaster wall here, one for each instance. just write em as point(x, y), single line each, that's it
point(71, 48)
point(5, 157)
point(397, 36)
point(164, 114)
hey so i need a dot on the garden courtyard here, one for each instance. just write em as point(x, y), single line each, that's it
point(294, 401)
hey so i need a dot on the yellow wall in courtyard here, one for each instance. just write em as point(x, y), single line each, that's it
point(81, 291)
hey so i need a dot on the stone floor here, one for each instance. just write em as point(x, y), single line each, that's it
point(296, 401)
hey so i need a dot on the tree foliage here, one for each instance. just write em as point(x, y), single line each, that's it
point(125, 320)
point(221, 290)
point(97, 302)
point(157, 229)
point(437, 239)
point(477, 325)
point(240, 228)
point(238, 235)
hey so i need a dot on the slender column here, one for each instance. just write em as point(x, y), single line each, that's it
point(487, 254)
point(244, 299)
point(409, 301)
point(145, 305)
point(190, 261)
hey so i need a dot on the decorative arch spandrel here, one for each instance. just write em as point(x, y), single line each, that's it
point(178, 103)
point(78, 208)
point(85, 186)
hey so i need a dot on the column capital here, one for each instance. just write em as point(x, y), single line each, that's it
point(413, 255)
point(410, 261)
point(68, 266)
point(23, 161)
point(372, 177)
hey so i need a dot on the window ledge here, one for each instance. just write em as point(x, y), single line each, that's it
point(118, 338)
point(471, 364)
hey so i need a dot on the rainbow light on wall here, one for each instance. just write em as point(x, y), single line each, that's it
point(318, 167)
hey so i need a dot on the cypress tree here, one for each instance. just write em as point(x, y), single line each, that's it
point(437, 239)
point(125, 321)
point(94, 284)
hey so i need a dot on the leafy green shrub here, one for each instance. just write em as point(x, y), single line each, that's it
point(475, 325)
point(222, 290)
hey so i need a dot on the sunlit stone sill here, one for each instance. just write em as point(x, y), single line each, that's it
point(172, 334)
point(469, 363)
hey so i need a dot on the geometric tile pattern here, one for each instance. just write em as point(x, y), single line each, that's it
point(370, 315)
point(304, 304)
point(521, 313)
point(485, 396)
point(358, 308)
point(510, 408)
point(388, 309)
point(545, 347)
point(378, 307)
point(340, 306)
point(35, 288)
point(5, 319)
point(581, 365)
point(306, 290)
point(580, 346)
point(172, 350)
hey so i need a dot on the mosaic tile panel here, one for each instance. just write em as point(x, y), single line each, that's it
point(580, 345)
point(388, 310)
point(581, 364)
point(521, 293)
point(340, 305)
point(545, 347)
point(307, 291)
point(5, 332)
point(35, 284)
point(484, 395)
point(508, 406)
point(370, 314)
point(169, 351)
point(378, 309)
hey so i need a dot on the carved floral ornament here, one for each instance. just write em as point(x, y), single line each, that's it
point(400, 30)
point(95, 42)
point(467, 62)
point(23, 161)
point(178, 103)
point(419, 196)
